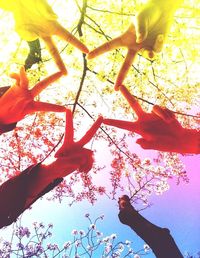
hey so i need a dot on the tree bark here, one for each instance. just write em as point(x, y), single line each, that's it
point(159, 239)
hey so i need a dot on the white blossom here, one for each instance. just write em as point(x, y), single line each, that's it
point(74, 232)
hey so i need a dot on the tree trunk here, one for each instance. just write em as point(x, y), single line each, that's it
point(158, 239)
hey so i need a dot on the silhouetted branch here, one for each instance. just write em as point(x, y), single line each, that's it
point(79, 28)
point(159, 239)
point(34, 55)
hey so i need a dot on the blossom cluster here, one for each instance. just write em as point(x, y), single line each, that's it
point(86, 243)
point(127, 172)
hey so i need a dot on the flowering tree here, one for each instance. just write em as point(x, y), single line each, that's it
point(170, 80)
point(91, 242)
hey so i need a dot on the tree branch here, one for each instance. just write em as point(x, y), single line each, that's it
point(79, 28)
point(159, 239)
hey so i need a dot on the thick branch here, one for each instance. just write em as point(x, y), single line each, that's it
point(34, 55)
point(159, 239)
